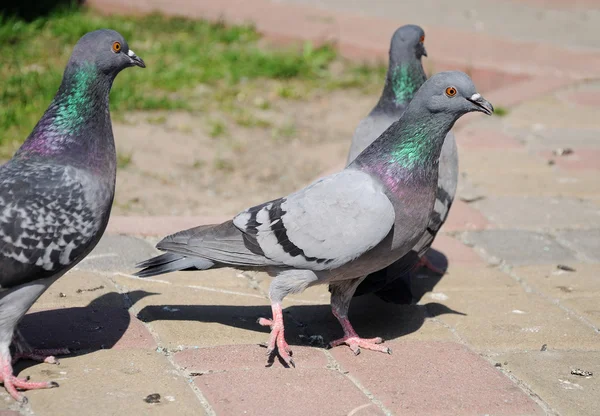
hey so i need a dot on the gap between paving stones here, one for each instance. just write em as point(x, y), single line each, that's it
point(134, 311)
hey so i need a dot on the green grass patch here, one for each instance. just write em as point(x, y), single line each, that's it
point(180, 54)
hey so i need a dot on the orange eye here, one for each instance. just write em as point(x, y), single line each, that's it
point(422, 39)
point(116, 47)
point(450, 91)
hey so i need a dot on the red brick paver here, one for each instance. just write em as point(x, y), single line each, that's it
point(436, 378)
point(231, 357)
point(287, 392)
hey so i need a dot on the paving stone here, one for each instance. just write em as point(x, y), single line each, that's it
point(538, 137)
point(187, 316)
point(528, 184)
point(548, 373)
point(463, 279)
point(519, 247)
point(157, 226)
point(112, 383)
point(580, 159)
point(539, 212)
point(559, 284)
point(457, 253)
point(225, 280)
point(435, 378)
point(80, 288)
point(276, 391)
point(463, 217)
point(480, 163)
point(586, 242)
point(583, 98)
point(585, 306)
point(117, 253)
point(552, 112)
point(486, 138)
point(514, 320)
point(85, 328)
point(231, 357)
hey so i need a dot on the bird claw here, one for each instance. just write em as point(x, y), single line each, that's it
point(277, 342)
point(356, 343)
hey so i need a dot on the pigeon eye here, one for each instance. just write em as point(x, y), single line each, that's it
point(422, 39)
point(450, 91)
point(116, 47)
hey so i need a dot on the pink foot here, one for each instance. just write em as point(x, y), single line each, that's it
point(12, 383)
point(424, 262)
point(276, 338)
point(355, 342)
point(25, 351)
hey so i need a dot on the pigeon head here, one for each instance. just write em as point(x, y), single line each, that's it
point(407, 40)
point(452, 93)
point(405, 72)
point(105, 49)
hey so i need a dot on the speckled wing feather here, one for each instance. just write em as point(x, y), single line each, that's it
point(46, 223)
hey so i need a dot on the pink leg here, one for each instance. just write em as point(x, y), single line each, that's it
point(424, 262)
point(25, 351)
point(12, 383)
point(277, 338)
point(355, 342)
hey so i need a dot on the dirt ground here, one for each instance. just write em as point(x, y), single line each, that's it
point(177, 168)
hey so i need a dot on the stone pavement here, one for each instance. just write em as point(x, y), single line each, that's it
point(499, 334)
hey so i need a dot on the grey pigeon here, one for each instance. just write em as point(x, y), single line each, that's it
point(56, 192)
point(343, 226)
point(404, 77)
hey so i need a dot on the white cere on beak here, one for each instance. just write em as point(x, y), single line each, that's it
point(132, 54)
point(474, 97)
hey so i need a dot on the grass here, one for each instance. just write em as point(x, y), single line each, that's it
point(124, 159)
point(500, 111)
point(181, 56)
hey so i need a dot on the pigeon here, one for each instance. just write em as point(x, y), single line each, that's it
point(404, 77)
point(342, 227)
point(56, 192)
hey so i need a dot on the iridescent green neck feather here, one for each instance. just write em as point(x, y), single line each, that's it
point(406, 80)
point(402, 83)
point(75, 104)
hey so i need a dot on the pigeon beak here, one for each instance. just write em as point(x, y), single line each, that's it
point(136, 60)
point(423, 50)
point(481, 104)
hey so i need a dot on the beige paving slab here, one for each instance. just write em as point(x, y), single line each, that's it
point(226, 279)
point(112, 383)
point(79, 288)
point(550, 111)
point(515, 320)
point(559, 284)
point(548, 374)
point(468, 279)
point(588, 307)
point(186, 316)
point(507, 183)
point(482, 162)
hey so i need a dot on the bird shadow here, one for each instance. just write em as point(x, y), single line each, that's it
point(98, 325)
point(312, 325)
point(411, 286)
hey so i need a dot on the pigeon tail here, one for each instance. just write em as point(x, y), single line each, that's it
point(204, 247)
point(171, 262)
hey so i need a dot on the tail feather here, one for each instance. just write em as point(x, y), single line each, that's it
point(169, 262)
point(202, 248)
point(222, 243)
